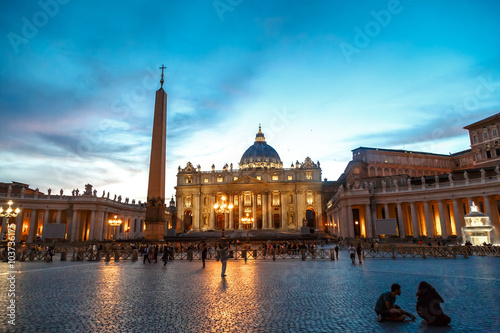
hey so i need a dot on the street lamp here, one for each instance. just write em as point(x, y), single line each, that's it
point(247, 221)
point(9, 212)
point(115, 222)
point(223, 208)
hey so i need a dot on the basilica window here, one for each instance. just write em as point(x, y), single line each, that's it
point(276, 199)
point(259, 177)
point(309, 198)
point(205, 180)
point(236, 199)
point(475, 139)
point(188, 201)
point(478, 156)
point(220, 179)
point(309, 175)
point(275, 177)
point(248, 200)
point(259, 200)
point(290, 177)
point(189, 180)
point(494, 133)
point(485, 135)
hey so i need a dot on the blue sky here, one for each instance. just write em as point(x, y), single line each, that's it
point(78, 80)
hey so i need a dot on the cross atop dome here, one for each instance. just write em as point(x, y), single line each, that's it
point(260, 136)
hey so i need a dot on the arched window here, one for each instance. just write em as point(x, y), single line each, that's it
point(309, 198)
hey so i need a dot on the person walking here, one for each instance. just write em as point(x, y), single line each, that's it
point(337, 251)
point(223, 259)
point(164, 257)
point(155, 253)
point(352, 253)
point(204, 251)
point(359, 251)
point(146, 252)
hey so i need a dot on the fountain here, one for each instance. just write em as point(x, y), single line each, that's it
point(478, 228)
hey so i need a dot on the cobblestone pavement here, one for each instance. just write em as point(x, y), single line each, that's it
point(258, 296)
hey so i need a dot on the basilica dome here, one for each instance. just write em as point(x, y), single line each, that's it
point(260, 155)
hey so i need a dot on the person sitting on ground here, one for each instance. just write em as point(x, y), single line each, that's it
point(387, 310)
point(428, 306)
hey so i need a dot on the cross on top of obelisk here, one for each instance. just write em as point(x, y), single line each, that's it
point(162, 68)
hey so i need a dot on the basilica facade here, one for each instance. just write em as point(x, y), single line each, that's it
point(261, 190)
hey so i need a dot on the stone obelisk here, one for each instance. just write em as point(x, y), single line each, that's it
point(155, 206)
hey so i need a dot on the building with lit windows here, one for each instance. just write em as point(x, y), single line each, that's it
point(427, 194)
point(261, 188)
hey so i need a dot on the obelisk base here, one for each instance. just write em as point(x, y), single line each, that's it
point(154, 231)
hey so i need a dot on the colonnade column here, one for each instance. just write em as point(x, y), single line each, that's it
point(414, 220)
point(73, 231)
point(31, 233)
point(99, 225)
point(58, 216)
point(197, 212)
point(442, 219)
point(45, 221)
point(368, 221)
point(350, 222)
point(487, 206)
point(401, 222)
point(92, 225)
point(386, 211)
point(4, 227)
point(457, 217)
point(270, 220)
point(19, 226)
point(427, 219)
point(264, 210)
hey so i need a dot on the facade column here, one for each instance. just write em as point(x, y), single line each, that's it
point(270, 220)
point(401, 222)
point(58, 216)
point(197, 211)
point(254, 210)
point(74, 222)
point(45, 221)
point(31, 233)
point(231, 215)
point(469, 204)
point(414, 220)
point(350, 222)
point(284, 215)
point(264, 210)
point(442, 219)
point(240, 211)
point(427, 219)
point(368, 221)
point(212, 212)
point(487, 207)
point(19, 226)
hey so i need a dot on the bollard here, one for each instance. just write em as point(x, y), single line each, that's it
point(303, 254)
point(117, 255)
point(274, 254)
point(255, 254)
point(135, 255)
point(64, 255)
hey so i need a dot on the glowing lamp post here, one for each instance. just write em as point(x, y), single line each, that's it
point(114, 222)
point(247, 220)
point(9, 212)
point(223, 208)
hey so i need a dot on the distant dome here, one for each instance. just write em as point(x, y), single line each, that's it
point(260, 155)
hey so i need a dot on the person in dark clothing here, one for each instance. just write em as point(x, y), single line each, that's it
point(146, 252)
point(155, 253)
point(204, 254)
point(337, 251)
point(387, 310)
point(359, 251)
point(164, 257)
point(428, 306)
